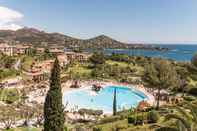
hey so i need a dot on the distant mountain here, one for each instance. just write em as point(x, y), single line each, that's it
point(105, 41)
point(39, 38)
point(31, 36)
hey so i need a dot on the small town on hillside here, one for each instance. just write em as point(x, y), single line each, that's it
point(38, 69)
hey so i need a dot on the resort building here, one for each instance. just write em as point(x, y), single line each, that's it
point(6, 49)
point(80, 57)
point(57, 51)
point(47, 64)
point(20, 49)
point(40, 71)
point(44, 66)
point(35, 76)
point(11, 50)
point(56, 46)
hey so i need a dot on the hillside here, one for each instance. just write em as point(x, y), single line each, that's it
point(39, 38)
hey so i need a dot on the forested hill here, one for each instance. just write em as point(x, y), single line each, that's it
point(38, 38)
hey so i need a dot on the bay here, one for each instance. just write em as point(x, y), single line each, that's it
point(178, 52)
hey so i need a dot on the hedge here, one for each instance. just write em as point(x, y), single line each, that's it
point(153, 116)
point(131, 119)
point(138, 119)
point(193, 91)
point(109, 119)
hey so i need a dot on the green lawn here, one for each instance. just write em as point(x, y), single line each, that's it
point(139, 69)
point(109, 126)
point(123, 126)
point(121, 64)
point(79, 71)
point(8, 73)
point(27, 62)
point(9, 95)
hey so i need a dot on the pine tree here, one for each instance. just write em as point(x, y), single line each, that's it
point(162, 75)
point(114, 103)
point(53, 107)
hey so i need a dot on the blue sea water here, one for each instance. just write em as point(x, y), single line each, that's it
point(179, 52)
point(103, 100)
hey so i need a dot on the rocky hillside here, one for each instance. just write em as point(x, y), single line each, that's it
point(39, 38)
point(32, 36)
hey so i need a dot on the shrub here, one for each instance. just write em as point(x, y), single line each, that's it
point(65, 128)
point(149, 109)
point(166, 129)
point(153, 116)
point(139, 119)
point(10, 95)
point(83, 111)
point(193, 91)
point(97, 58)
point(131, 119)
point(97, 129)
point(109, 119)
point(79, 128)
point(123, 116)
point(121, 126)
point(189, 98)
point(119, 57)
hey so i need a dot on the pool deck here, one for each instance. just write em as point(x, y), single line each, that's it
point(87, 84)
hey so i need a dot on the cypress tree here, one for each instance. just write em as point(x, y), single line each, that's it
point(53, 107)
point(114, 103)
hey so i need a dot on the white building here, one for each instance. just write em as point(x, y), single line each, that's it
point(6, 49)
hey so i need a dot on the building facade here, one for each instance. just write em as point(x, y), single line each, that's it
point(6, 49)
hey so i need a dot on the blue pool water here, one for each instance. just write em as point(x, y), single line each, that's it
point(103, 100)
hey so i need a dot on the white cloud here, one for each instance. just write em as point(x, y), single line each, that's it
point(9, 19)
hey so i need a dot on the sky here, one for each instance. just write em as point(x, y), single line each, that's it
point(151, 21)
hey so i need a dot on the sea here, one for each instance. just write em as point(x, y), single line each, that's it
point(178, 52)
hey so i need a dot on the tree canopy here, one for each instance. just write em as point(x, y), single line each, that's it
point(194, 60)
point(97, 58)
point(162, 75)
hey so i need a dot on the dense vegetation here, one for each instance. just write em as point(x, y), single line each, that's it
point(162, 75)
point(7, 67)
point(179, 78)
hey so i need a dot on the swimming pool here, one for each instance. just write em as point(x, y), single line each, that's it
point(103, 100)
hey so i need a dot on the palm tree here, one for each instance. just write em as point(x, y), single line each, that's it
point(186, 118)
